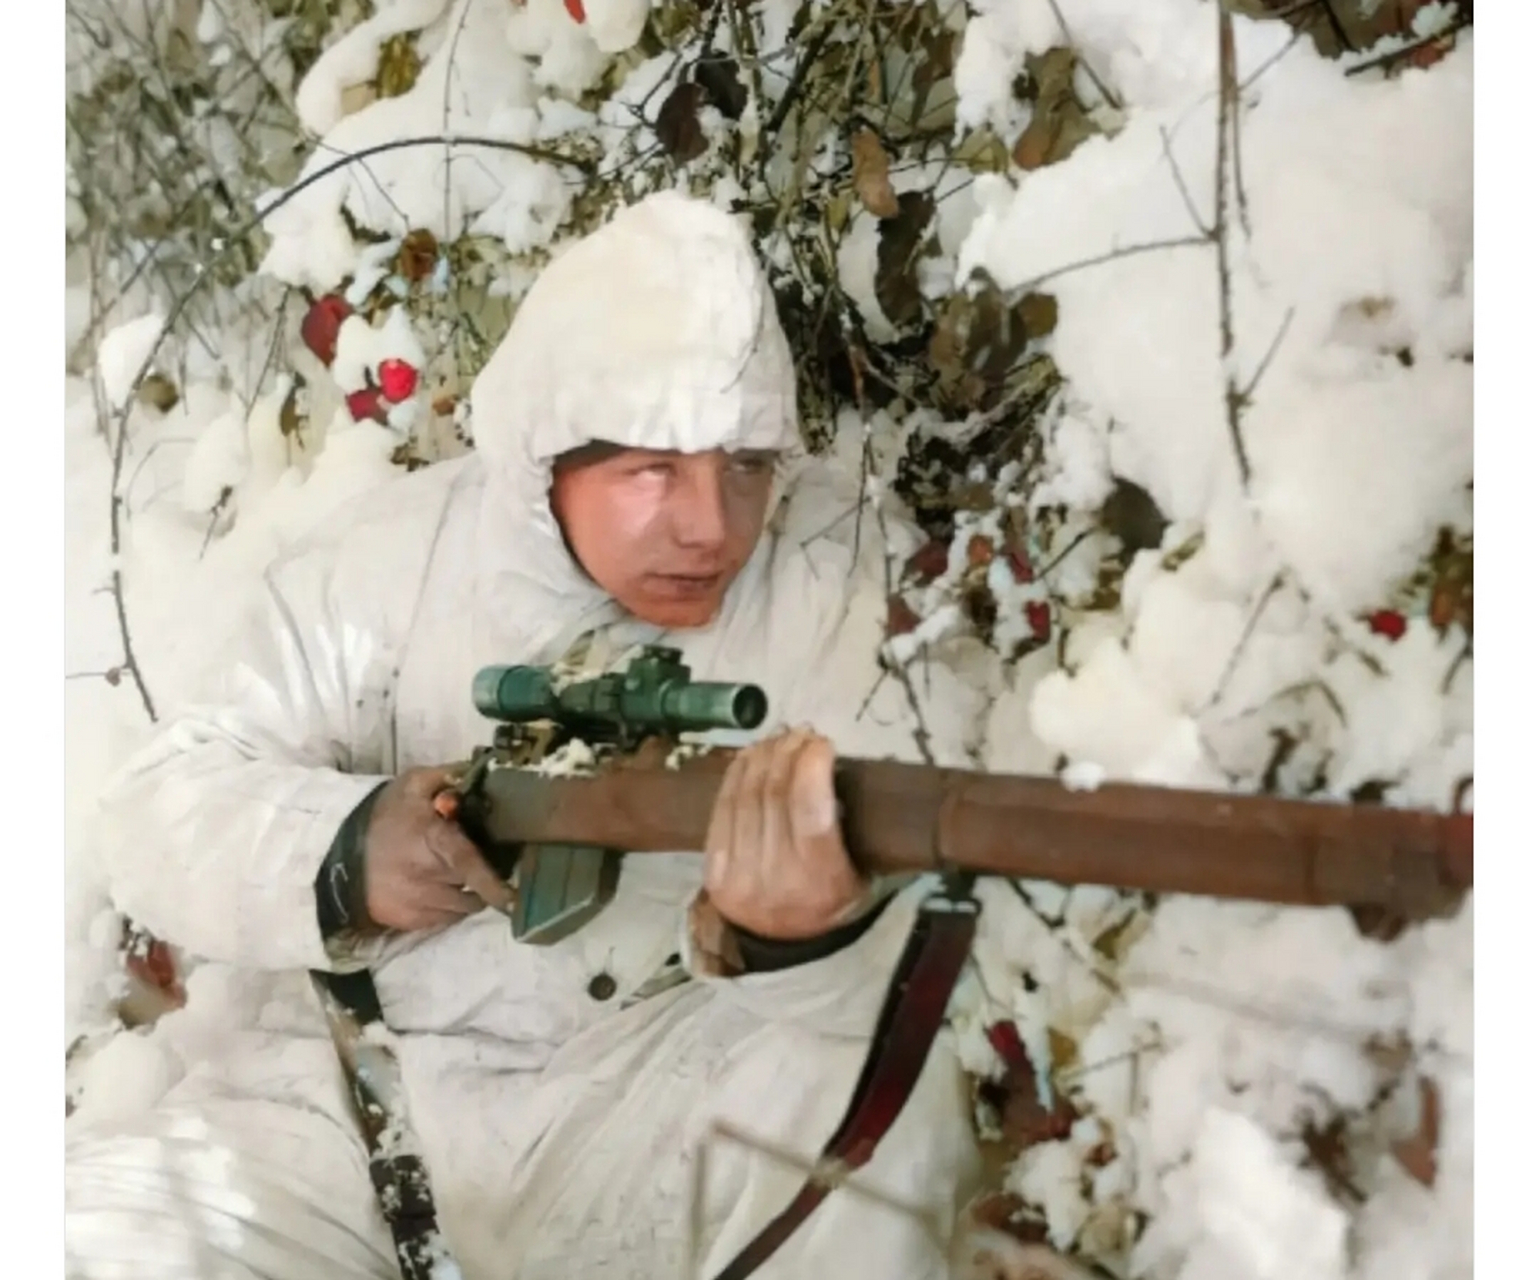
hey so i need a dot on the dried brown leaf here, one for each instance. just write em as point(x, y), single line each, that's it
point(1132, 516)
point(1329, 1153)
point(418, 255)
point(1417, 1154)
point(898, 249)
point(901, 618)
point(1038, 312)
point(399, 66)
point(872, 182)
point(158, 392)
point(724, 89)
point(1058, 123)
point(678, 123)
point(289, 421)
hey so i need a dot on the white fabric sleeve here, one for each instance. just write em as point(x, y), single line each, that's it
point(213, 834)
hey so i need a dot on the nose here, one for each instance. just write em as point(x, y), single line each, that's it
point(699, 509)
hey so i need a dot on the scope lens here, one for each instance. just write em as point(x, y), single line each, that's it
point(749, 706)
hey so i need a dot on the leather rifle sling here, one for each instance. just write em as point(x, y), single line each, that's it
point(911, 1017)
point(399, 1175)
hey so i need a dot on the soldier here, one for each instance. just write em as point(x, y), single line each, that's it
point(637, 478)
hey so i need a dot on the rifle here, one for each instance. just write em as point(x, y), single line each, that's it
point(626, 783)
point(580, 772)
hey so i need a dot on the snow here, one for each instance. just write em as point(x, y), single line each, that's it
point(123, 352)
point(1259, 1208)
point(1204, 1035)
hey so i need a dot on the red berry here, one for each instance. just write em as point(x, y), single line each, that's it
point(151, 962)
point(929, 562)
point(397, 380)
point(1387, 622)
point(1005, 1039)
point(366, 405)
point(901, 619)
point(318, 330)
point(1020, 566)
point(574, 7)
point(1039, 617)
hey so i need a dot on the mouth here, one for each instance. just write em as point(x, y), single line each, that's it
point(686, 585)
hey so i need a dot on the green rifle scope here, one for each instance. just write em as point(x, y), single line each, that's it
point(654, 694)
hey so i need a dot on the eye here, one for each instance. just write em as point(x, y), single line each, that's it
point(753, 464)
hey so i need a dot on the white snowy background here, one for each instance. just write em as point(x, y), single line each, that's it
point(1251, 1086)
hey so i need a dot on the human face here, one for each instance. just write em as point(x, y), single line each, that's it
point(664, 533)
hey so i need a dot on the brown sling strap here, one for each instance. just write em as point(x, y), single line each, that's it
point(911, 1018)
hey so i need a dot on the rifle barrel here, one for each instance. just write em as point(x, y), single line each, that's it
point(906, 817)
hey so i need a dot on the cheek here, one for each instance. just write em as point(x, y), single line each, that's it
point(745, 512)
point(606, 523)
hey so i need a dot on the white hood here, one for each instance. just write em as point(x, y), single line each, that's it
point(656, 331)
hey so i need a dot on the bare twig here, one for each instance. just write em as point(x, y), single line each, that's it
point(1270, 62)
point(1060, 936)
point(1266, 359)
point(454, 44)
point(130, 661)
point(1466, 652)
point(1114, 102)
point(1186, 196)
point(1152, 246)
point(1227, 96)
point(1239, 648)
point(793, 88)
point(898, 670)
point(1450, 32)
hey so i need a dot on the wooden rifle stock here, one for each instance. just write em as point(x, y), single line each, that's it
point(906, 817)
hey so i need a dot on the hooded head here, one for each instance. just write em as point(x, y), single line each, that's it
point(645, 377)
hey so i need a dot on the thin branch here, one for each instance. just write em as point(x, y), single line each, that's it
point(1128, 251)
point(1186, 195)
point(1239, 648)
point(401, 144)
point(1226, 109)
point(1271, 61)
point(454, 43)
point(1064, 554)
point(115, 507)
point(1465, 653)
point(1387, 60)
point(793, 88)
point(1061, 936)
point(1282, 330)
point(899, 670)
point(1241, 204)
point(1112, 100)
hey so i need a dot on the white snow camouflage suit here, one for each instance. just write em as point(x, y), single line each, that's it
point(560, 1130)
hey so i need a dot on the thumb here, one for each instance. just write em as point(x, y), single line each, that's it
point(425, 783)
point(814, 808)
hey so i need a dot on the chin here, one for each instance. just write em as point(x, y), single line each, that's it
point(677, 615)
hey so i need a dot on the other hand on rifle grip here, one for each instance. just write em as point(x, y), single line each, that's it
point(776, 864)
point(420, 869)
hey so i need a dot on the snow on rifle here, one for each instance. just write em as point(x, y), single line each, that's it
point(624, 783)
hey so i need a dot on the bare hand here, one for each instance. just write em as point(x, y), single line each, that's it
point(775, 860)
point(420, 870)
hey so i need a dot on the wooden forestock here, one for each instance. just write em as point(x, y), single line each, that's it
point(906, 817)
